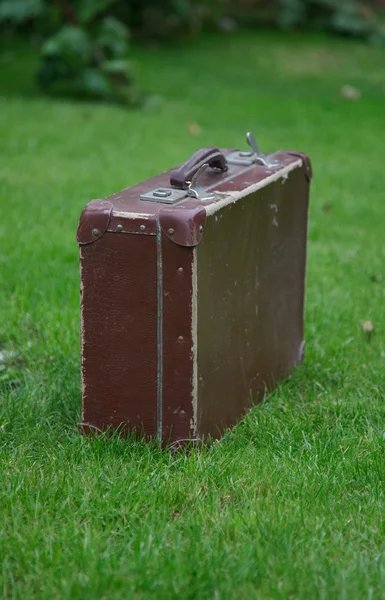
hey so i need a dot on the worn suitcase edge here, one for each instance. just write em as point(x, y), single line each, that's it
point(231, 197)
point(184, 225)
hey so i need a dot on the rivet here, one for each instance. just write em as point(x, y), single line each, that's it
point(180, 338)
point(95, 232)
point(142, 227)
point(171, 231)
point(180, 270)
point(119, 227)
point(200, 228)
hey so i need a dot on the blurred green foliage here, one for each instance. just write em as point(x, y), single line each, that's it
point(89, 61)
point(85, 43)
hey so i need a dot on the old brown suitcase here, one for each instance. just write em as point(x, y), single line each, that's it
point(192, 293)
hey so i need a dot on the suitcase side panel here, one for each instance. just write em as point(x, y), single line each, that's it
point(119, 332)
point(251, 273)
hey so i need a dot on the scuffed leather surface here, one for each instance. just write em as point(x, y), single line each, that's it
point(120, 224)
point(95, 217)
point(183, 225)
point(129, 198)
point(306, 163)
point(238, 353)
point(251, 276)
point(119, 332)
point(177, 355)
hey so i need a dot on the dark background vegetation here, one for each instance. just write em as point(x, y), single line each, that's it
point(85, 44)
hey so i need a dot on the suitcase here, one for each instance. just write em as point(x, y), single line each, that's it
point(192, 293)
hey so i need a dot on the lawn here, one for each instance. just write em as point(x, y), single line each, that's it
point(289, 504)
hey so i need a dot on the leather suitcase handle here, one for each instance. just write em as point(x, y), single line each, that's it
point(181, 176)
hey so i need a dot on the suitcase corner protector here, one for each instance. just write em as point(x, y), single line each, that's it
point(184, 227)
point(94, 221)
point(306, 164)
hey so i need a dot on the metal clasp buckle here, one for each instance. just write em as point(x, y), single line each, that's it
point(250, 157)
point(164, 195)
point(192, 189)
point(174, 195)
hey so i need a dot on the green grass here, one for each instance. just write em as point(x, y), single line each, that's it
point(290, 504)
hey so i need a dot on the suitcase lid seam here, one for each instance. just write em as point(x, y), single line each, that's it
point(231, 197)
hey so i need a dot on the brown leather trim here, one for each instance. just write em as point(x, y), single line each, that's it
point(94, 221)
point(177, 413)
point(133, 224)
point(184, 226)
point(129, 199)
point(306, 163)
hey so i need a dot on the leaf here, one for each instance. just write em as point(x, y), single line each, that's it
point(113, 37)
point(291, 13)
point(350, 92)
point(87, 10)
point(71, 44)
point(19, 11)
point(194, 128)
point(368, 329)
point(117, 67)
point(347, 20)
point(95, 83)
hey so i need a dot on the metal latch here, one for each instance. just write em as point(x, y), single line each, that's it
point(250, 157)
point(164, 195)
point(172, 195)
